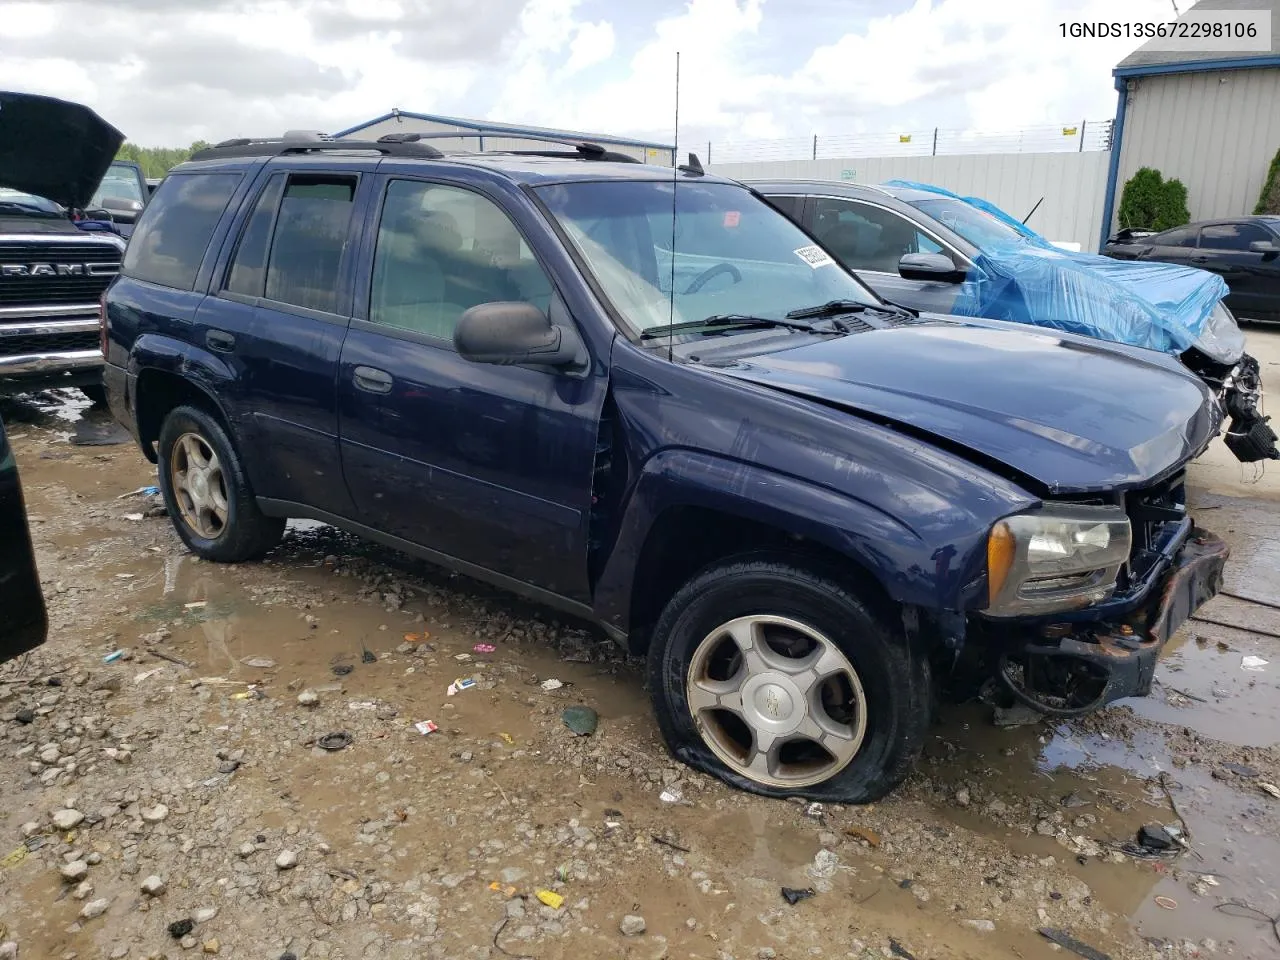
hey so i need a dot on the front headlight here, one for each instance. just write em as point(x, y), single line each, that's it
point(1062, 557)
point(1221, 339)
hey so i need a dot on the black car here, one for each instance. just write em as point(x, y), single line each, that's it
point(932, 252)
point(23, 626)
point(1245, 251)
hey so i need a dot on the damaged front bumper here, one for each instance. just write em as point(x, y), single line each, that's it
point(1249, 435)
point(1066, 669)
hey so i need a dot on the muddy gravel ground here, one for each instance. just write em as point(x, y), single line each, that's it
point(165, 787)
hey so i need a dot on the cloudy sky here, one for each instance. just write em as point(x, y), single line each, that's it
point(167, 72)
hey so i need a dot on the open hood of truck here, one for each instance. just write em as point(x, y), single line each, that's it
point(54, 148)
point(1075, 415)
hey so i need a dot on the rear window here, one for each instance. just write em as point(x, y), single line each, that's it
point(173, 233)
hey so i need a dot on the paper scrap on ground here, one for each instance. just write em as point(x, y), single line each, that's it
point(1253, 664)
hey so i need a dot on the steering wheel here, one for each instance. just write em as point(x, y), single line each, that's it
point(711, 273)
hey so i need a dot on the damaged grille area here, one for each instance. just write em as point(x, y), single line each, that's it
point(1157, 515)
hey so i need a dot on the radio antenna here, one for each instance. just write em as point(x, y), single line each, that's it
point(675, 176)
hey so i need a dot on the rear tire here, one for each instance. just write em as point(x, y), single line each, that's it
point(207, 492)
point(869, 717)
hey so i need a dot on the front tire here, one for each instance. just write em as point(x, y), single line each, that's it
point(779, 679)
point(207, 492)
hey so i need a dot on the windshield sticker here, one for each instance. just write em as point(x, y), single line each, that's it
point(814, 256)
point(732, 218)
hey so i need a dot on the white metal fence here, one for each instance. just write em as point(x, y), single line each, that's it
point(1068, 187)
point(1077, 136)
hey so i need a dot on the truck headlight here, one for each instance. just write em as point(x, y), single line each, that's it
point(1221, 339)
point(1061, 557)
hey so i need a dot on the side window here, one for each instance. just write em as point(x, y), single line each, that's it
point(311, 234)
point(174, 230)
point(789, 204)
point(1231, 236)
point(442, 250)
point(249, 265)
point(866, 237)
point(1181, 237)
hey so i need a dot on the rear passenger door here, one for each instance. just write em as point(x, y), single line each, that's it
point(491, 465)
point(870, 240)
point(289, 273)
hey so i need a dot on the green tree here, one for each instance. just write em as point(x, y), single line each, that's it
point(157, 161)
point(1269, 199)
point(1149, 202)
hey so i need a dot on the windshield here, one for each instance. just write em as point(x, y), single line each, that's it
point(734, 254)
point(977, 226)
point(16, 203)
point(120, 184)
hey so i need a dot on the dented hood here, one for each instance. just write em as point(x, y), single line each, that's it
point(54, 148)
point(1073, 414)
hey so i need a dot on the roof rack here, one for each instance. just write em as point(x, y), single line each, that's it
point(582, 149)
point(302, 142)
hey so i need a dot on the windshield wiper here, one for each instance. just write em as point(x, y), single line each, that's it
point(725, 320)
point(833, 308)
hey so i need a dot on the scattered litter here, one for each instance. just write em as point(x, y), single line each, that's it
point(552, 900)
point(508, 739)
point(426, 726)
point(581, 720)
point(462, 657)
point(196, 605)
point(335, 741)
point(181, 928)
point(135, 517)
point(170, 657)
point(862, 833)
point(341, 669)
point(794, 895)
point(663, 841)
point(367, 655)
point(506, 891)
point(140, 492)
point(361, 705)
point(125, 576)
point(814, 812)
point(15, 857)
point(552, 684)
point(484, 648)
point(1068, 942)
point(260, 663)
point(1166, 903)
point(1253, 664)
point(113, 657)
point(671, 794)
point(465, 683)
point(898, 950)
point(147, 675)
point(1269, 788)
point(1209, 880)
point(1157, 838)
point(253, 693)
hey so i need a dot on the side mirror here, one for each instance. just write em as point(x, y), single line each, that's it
point(937, 267)
point(99, 213)
point(1264, 246)
point(509, 333)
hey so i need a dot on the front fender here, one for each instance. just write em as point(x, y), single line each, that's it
point(912, 566)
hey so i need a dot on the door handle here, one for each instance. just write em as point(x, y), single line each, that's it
point(220, 341)
point(1199, 259)
point(371, 380)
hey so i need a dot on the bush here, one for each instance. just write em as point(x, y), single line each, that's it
point(1269, 199)
point(1149, 202)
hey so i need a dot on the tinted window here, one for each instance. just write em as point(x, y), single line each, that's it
point(1181, 237)
point(790, 205)
point(173, 232)
point(442, 250)
point(310, 237)
point(865, 237)
point(249, 267)
point(1231, 236)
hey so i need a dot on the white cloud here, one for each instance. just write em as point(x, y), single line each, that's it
point(167, 73)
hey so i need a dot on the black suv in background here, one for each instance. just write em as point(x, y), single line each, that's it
point(53, 155)
point(804, 504)
point(1245, 251)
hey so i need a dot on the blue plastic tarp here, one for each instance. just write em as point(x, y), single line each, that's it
point(1028, 280)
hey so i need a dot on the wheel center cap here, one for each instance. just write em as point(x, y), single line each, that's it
point(772, 701)
point(199, 485)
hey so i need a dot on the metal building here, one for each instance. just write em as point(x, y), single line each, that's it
point(485, 135)
point(1210, 119)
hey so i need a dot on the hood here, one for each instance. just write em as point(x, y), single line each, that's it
point(54, 148)
point(1074, 415)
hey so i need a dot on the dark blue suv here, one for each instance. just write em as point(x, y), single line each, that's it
point(647, 398)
